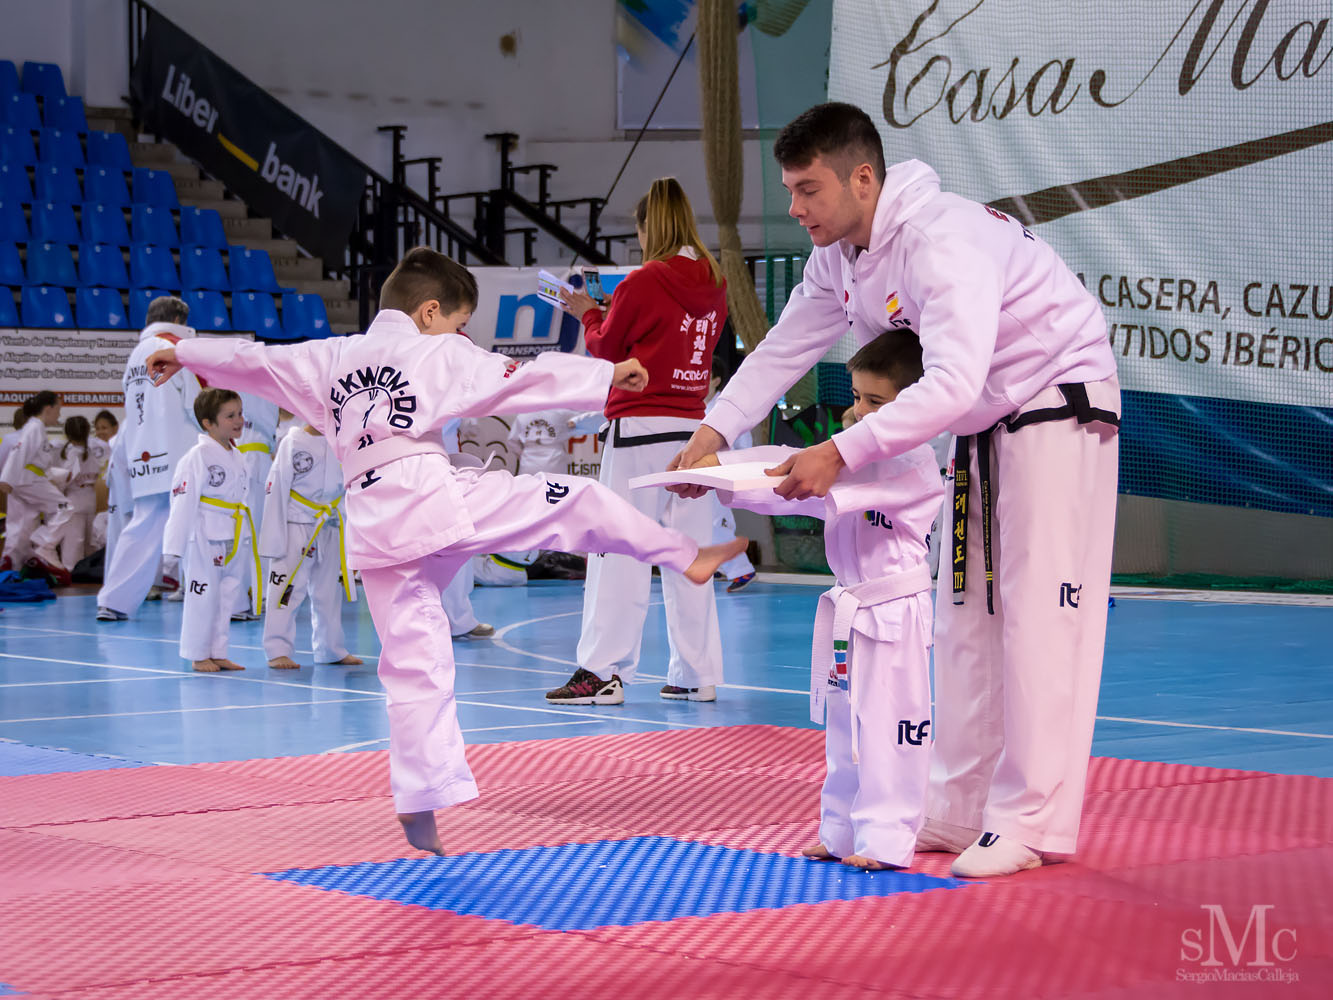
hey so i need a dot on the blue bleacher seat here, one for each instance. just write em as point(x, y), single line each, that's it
point(46, 306)
point(16, 146)
point(140, 298)
point(43, 79)
point(51, 264)
point(65, 113)
point(58, 182)
point(105, 224)
point(102, 264)
point(9, 315)
point(14, 184)
point(13, 222)
point(20, 111)
point(252, 271)
point(201, 267)
point(208, 311)
point(11, 268)
point(202, 227)
point(151, 224)
point(105, 186)
point(100, 309)
point(256, 311)
point(109, 149)
point(304, 316)
point(154, 187)
point(152, 267)
point(55, 145)
point(54, 221)
point(9, 79)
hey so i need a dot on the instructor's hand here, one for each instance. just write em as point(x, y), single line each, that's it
point(163, 364)
point(809, 473)
point(630, 375)
point(702, 443)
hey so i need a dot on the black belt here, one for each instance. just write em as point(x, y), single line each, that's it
point(1077, 406)
point(639, 440)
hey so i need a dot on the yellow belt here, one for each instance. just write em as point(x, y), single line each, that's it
point(36, 470)
point(325, 511)
point(255, 446)
point(240, 514)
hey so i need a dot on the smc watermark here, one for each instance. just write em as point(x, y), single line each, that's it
point(1216, 953)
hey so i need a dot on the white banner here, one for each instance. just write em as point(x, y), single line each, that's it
point(1177, 154)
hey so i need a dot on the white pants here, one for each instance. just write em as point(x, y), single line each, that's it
point(210, 593)
point(318, 579)
point(456, 599)
point(1016, 692)
point(724, 530)
point(138, 556)
point(615, 595)
point(427, 767)
point(875, 807)
point(20, 522)
point(38, 500)
point(75, 537)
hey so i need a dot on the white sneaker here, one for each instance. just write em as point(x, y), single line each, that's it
point(937, 835)
point(176, 595)
point(992, 856)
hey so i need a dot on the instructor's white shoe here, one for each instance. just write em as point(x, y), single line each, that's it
point(992, 856)
point(937, 835)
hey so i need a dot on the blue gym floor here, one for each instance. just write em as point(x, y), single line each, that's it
point(1224, 681)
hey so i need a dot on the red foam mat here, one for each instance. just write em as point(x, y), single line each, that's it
point(143, 883)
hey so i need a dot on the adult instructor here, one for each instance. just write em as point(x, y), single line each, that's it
point(1019, 368)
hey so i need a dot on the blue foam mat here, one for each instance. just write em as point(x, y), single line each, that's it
point(19, 758)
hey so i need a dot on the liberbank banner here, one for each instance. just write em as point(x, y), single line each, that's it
point(275, 160)
point(1178, 154)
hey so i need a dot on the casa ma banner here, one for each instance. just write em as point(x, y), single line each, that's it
point(1176, 154)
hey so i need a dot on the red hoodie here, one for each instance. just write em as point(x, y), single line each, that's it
point(667, 314)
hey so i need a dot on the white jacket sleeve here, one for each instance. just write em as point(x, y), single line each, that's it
point(492, 383)
point(811, 322)
point(184, 514)
point(273, 533)
point(290, 375)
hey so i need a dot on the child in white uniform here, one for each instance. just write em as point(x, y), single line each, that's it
point(871, 654)
point(413, 519)
point(302, 538)
point(83, 456)
point(27, 477)
point(207, 529)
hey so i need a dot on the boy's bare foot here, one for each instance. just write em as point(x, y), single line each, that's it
point(867, 864)
point(710, 557)
point(284, 663)
point(818, 852)
point(226, 664)
point(206, 666)
point(350, 660)
point(419, 828)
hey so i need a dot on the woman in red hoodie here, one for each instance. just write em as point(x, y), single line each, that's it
point(667, 314)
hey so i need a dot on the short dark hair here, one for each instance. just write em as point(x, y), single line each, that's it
point(895, 355)
point(424, 274)
point(166, 309)
point(842, 134)
point(37, 402)
point(20, 417)
point(106, 415)
point(210, 402)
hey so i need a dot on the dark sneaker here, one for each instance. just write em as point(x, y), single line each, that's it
point(672, 693)
point(244, 616)
point(111, 615)
point(482, 631)
point(586, 688)
point(740, 583)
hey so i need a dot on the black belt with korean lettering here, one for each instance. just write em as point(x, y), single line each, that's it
point(1077, 406)
point(639, 440)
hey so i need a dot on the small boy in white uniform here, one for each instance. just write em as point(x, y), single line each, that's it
point(414, 519)
point(208, 528)
point(871, 655)
point(302, 537)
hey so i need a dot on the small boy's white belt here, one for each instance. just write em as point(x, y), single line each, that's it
point(382, 453)
point(833, 632)
point(240, 515)
point(324, 511)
